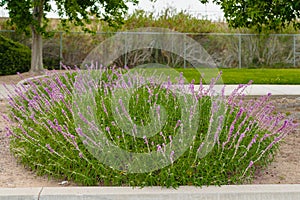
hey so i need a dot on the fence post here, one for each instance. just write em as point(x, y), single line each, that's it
point(125, 57)
point(60, 49)
point(240, 51)
point(184, 52)
point(294, 49)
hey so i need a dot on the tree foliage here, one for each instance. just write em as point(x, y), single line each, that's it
point(30, 16)
point(260, 15)
point(24, 13)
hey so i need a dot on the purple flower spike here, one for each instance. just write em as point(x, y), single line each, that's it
point(145, 139)
point(159, 148)
point(172, 156)
point(178, 124)
point(49, 148)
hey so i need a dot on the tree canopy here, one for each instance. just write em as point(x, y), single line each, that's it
point(260, 14)
point(31, 16)
point(33, 13)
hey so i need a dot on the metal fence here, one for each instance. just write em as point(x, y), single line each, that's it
point(227, 50)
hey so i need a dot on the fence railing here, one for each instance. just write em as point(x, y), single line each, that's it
point(227, 50)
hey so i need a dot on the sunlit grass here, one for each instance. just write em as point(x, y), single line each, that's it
point(243, 76)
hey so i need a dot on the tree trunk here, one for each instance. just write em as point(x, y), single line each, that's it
point(37, 40)
point(37, 53)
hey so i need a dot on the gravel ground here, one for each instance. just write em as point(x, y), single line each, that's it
point(286, 167)
point(284, 170)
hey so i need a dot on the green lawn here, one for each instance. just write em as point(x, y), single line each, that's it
point(236, 76)
point(241, 76)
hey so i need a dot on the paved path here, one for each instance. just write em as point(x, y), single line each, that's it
point(282, 90)
point(265, 89)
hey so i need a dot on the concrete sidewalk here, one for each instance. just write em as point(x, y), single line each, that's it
point(227, 192)
point(265, 89)
point(252, 90)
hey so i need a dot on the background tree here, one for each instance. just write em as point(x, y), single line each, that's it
point(32, 15)
point(260, 15)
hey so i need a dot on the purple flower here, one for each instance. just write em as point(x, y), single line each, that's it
point(9, 132)
point(172, 156)
point(49, 148)
point(219, 129)
point(250, 164)
point(145, 139)
point(200, 147)
point(6, 118)
point(192, 87)
point(158, 148)
point(177, 124)
point(32, 116)
point(252, 142)
point(283, 126)
point(170, 137)
point(241, 137)
point(240, 112)
point(158, 111)
point(52, 126)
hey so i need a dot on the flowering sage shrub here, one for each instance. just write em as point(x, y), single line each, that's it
point(45, 138)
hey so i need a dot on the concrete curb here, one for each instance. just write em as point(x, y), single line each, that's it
point(227, 192)
point(19, 193)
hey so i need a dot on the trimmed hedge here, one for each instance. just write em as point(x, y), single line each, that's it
point(14, 57)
